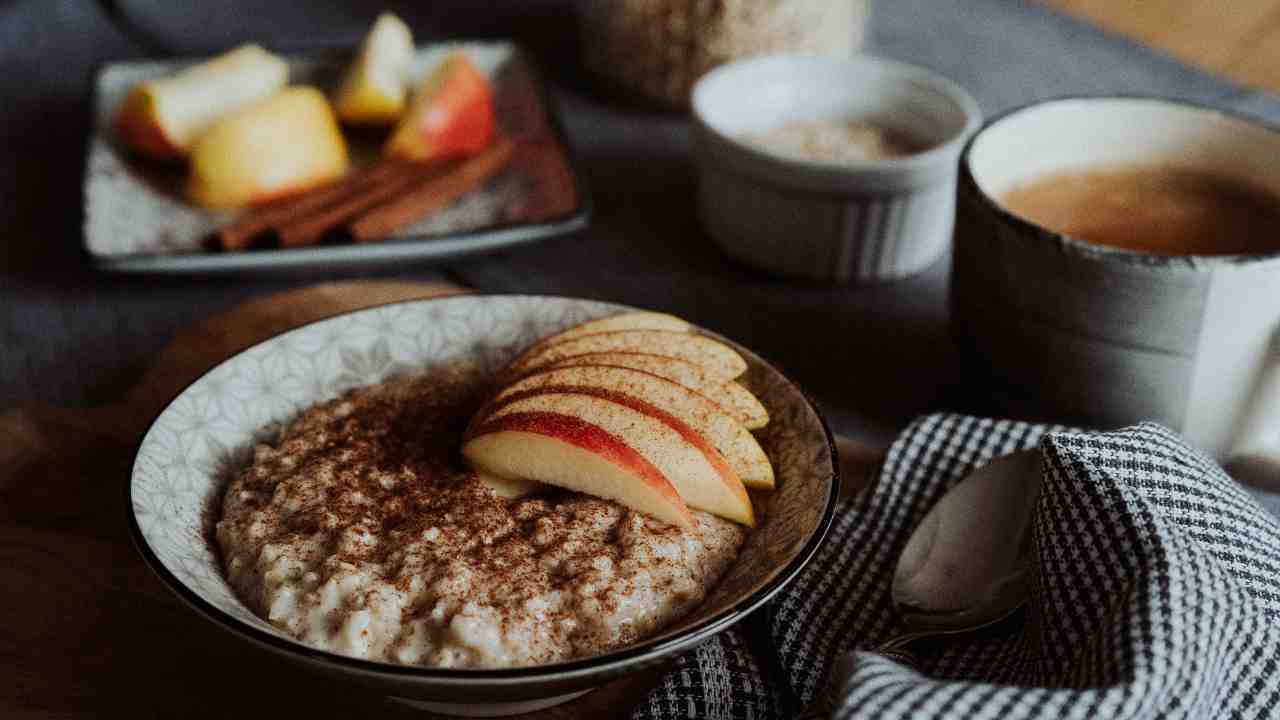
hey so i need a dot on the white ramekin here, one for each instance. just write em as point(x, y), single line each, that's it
point(826, 221)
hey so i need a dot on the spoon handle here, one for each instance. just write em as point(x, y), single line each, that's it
point(899, 643)
point(898, 649)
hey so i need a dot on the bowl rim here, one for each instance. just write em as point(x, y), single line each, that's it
point(968, 185)
point(831, 175)
point(582, 667)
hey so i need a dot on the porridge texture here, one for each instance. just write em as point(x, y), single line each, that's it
point(836, 141)
point(359, 531)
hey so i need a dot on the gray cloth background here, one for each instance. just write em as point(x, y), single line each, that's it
point(71, 336)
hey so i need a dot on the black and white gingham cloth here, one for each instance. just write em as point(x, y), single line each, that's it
point(1156, 594)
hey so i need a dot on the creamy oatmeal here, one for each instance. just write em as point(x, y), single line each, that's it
point(837, 141)
point(359, 531)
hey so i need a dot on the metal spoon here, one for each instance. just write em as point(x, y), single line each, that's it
point(964, 567)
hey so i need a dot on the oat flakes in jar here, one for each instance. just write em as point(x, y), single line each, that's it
point(657, 49)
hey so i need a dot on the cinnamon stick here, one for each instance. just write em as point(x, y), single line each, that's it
point(552, 192)
point(433, 194)
point(240, 234)
point(309, 227)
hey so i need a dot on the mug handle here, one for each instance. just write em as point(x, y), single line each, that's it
point(1254, 456)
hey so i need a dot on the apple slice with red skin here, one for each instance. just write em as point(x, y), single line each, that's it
point(734, 398)
point(698, 472)
point(568, 452)
point(716, 358)
point(450, 115)
point(717, 427)
point(637, 320)
point(508, 487)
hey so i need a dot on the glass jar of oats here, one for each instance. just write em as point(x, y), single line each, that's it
point(659, 48)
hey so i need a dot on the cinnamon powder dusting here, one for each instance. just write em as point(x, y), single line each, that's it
point(361, 531)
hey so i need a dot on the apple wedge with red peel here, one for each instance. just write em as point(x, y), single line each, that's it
point(714, 357)
point(568, 452)
point(699, 473)
point(508, 487)
point(285, 144)
point(372, 91)
point(732, 441)
point(734, 398)
point(450, 115)
point(640, 320)
point(162, 118)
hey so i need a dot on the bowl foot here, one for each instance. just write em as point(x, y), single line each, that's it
point(497, 709)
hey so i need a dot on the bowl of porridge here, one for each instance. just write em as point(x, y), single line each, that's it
point(830, 169)
point(337, 496)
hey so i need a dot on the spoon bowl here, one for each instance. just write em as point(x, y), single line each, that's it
point(965, 566)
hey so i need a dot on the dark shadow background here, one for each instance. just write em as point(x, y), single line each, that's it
point(873, 355)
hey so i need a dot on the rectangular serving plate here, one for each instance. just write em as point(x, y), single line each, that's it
point(136, 220)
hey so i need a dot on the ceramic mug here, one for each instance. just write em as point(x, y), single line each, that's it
point(1071, 331)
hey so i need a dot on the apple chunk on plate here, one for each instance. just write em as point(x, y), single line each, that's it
point(698, 472)
point(372, 91)
point(163, 117)
point(450, 115)
point(731, 396)
point(707, 419)
point(563, 450)
point(275, 147)
point(716, 358)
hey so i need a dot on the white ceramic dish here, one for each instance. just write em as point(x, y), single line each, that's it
point(1106, 336)
point(136, 219)
point(823, 221)
point(202, 438)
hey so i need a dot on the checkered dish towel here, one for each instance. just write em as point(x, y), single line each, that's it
point(1156, 593)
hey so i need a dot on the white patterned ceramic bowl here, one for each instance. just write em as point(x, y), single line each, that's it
point(204, 435)
point(822, 220)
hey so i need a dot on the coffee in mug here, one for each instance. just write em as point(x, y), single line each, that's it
point(1159, 209)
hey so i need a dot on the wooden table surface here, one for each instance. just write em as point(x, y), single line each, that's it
point(88, 630)
point(1239, 39)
